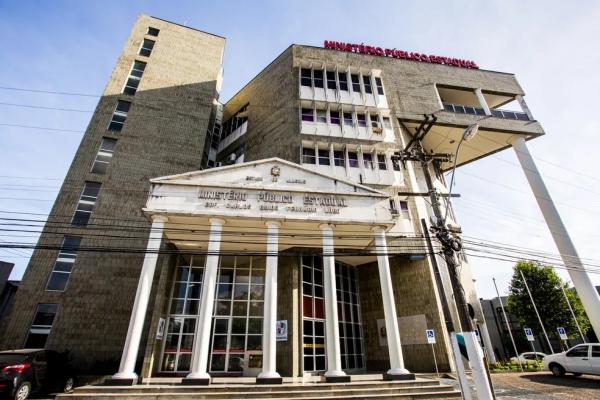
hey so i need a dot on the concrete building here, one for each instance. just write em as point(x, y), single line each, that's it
point(152, 120)
point(304, 252)
point(8, 288)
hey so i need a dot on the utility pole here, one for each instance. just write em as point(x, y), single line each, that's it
point(451, 244)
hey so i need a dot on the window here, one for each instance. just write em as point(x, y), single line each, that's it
point(119, 116)
point(152, 31)
point(305, 77)
point(41, 326)
point(404, 209)
point(368, 161)
point(64, 263)
point(86, 204)
point(395, 164)
point(381, 162)
point(308, 115)
point(374, 120)
point(379, 85)
point(324, 157)
point(334, 116)
point(104, 155)
point(367, 83)
point(133, 80)
point(353, 159)
point(362, 120)
point(393, 208)
point(596, 351)
point(331, 80)
point(579, 351)
point(343, 78)
point(146, 49)
point(318, 78)
point(348, 119)
point(387, 124)
point(355, 83)
point(339, 159)
point(308, 156)
point(322, 116)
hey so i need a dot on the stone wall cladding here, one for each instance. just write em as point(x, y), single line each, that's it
point(164, 134)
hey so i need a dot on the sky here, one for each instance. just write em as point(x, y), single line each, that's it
point(72, 46)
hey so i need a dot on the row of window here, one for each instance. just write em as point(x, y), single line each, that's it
point(238, 119)
point(338, 158)
point(360, 83)
point(346, 118)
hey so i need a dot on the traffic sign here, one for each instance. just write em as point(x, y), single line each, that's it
point(562, 333)
point(430, 336)
point(529, 334)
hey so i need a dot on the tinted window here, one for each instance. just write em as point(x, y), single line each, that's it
point(9, 359)
point(581, 351)
point(596, 351)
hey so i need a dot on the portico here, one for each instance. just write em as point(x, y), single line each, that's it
point(234, 227)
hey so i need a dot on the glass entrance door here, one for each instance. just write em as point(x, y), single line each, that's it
point(313, 320)
point(236, 342)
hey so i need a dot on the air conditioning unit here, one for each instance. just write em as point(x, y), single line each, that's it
point(232, 157)
point(377, 129)
point(395, 212)
point(218, 164)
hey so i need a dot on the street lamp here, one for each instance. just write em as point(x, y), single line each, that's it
point(468, 134)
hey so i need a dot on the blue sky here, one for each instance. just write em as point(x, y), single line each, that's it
point(71, 46)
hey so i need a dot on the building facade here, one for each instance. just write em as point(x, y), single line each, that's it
point(152, 119)
point(304, 251)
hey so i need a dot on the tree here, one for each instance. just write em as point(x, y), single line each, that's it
point(546, 290)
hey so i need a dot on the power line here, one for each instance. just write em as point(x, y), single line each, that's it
point(49, 92)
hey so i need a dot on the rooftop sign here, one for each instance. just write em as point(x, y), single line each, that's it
point(379, 51)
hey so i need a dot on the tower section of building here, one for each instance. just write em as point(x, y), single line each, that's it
point(151, 120)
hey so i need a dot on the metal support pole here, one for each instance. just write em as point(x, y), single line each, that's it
point(581, 280)
point(512, 339)
point(573, 314)
point(536, 312)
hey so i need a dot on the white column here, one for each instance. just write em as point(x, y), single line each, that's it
point(389, 305)
point(199, 371)
point(332, 334)
point(269, 341)
point(524, 107)
point(140, 305)
point(568, 253)
point(482, 101)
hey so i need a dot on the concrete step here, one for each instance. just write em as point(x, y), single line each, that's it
point(375, 390)
point(249, 388)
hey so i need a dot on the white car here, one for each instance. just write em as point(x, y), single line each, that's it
point(528, 357)
point(581, 359)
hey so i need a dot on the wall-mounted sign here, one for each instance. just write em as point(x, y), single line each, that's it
point(281, 329)
point(160, 329)
point(379, 51)
point(430, 334)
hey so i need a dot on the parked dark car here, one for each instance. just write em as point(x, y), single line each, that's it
point(27, 371)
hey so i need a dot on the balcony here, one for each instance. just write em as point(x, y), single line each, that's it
point(507, 114)
point(461, 109)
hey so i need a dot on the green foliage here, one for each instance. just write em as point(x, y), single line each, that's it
point(513, 366)
point(546, 289)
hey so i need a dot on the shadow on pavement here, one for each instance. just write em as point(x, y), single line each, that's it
point(565, 381)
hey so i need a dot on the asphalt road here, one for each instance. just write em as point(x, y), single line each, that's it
point(543, 385)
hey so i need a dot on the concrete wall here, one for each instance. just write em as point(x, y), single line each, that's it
point(164, 134)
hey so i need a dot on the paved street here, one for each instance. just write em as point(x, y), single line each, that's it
point(542, 385)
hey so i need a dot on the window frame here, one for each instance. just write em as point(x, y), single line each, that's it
point(307, 157)
point(144, 50)
point(382, 160)
point(42, 329)
point(152, 31)
point(367, 84)
point(114, 123)
point(87, 201)
point(129, 88)
point(379, 86)
point(343, 83)
point(304, 116)
point(102, 152)
point(65, 256)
